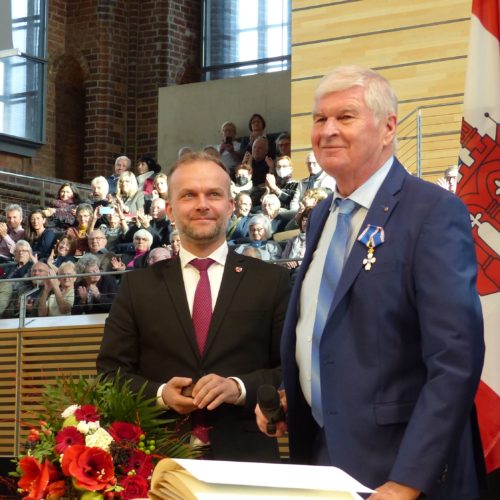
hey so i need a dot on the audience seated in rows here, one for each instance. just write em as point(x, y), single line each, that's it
point(61, 213)
point(260, 237)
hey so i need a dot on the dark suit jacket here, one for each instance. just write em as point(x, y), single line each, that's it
point(402, 351)
point(149, 336)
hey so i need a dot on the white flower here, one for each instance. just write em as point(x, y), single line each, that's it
point(87, 427)
point(100, 439)
point(70, 410)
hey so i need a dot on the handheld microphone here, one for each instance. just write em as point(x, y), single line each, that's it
point(269, 403)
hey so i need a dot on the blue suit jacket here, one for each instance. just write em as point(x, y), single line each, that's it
point(402, 351)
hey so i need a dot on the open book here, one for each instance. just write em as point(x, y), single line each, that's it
point(182, 479)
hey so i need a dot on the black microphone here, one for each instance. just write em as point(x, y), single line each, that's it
point(269, 403)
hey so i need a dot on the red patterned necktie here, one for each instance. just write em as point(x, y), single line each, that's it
point(202, 305)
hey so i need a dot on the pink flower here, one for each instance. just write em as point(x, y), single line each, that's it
point(141, 463)
point(88, 413)
point(66, 437)
point(123, 431)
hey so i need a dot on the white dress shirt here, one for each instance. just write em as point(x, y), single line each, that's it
point(309, 292)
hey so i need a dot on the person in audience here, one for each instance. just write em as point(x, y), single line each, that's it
point(157, 223)
point(229, 148)
point(58, 294)
point(145, 170)
point(284, 145)
point(94, 293)
point(160, 187)
point(449, 179)
point(237, 226)
point(242, 179)
point(9, 290)
point(184, 150)
point(210, 150)
point(260, 234)
point(175, 243)
point(150, 337)
point(252, 252)
point(38, 269)
point(317, 179)
point(41, 239)
point(311, 198)
point(11, 231)
point(259, 160)
point(157, 254)
point(282, 184)
point(63, 251)
point(128, 195)
point(84, 214)
point(113, 225)
point(62, 212)
point(122, 164)
point(97, 246)
point(143, 240)
point(99, 192)
point(296, 247)
point(257, 127)
point(271, 208)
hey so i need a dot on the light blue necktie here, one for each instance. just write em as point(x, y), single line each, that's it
point(332, 270)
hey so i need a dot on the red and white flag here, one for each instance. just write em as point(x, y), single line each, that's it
point(479, 188)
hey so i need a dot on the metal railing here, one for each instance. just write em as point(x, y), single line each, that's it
point(429, 139)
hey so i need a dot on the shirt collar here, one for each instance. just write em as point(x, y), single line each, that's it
point(365, 194)
point(219, 255)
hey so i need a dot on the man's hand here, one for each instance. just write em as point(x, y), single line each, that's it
point(213, 390)
point(262, 421)
point(173, 398)
point(394, 491)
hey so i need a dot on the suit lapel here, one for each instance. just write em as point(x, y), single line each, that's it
point(172, 276)
point(234, 271)
point(379, 213)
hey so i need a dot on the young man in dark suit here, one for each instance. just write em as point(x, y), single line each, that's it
point(153, 333)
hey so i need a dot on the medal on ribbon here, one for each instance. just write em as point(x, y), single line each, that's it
point(371, 237)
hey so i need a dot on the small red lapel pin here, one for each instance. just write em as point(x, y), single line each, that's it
point(238, 269)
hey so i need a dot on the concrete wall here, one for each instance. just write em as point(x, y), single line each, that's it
point(197, 110)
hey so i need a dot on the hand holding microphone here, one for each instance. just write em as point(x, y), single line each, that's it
point(271, 410)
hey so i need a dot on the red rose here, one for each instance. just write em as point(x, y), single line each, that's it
point(141, 463)
point(36, 477)
point(135, 487)
point(92, 468)
point(88, 413)
point(123, 431)
point(68, 436)
point(56, 490)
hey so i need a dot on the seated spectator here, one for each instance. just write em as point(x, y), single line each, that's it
point(122, 164)
point(242, 179)
point(9, 291)
point(157, 254)
point(62, 212)
point(311, 198)
point(271, 208)
point(317, 179)
point(58, 294)
point(157, 223)
point(210, 150)
point(11, 231)
point(84, 214)
point(259, 160)
point(128, 195)
point(113, 225)
point(99, 192)
point(252, 252)
point(237, 226)
point(41, 239)
point(282, 185)
point(142, 244)
point(94, 293)
point(145, 170)
point(229, 148)
point(63, 251)
point(296, 247)
point(260, 234)
point(257, 127)
point(175, 243)
point(160, 187)
point(33, 299)
point(97, 246)
point(449, 179)
point(283, 145)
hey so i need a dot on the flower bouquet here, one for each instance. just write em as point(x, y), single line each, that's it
point(96, 439)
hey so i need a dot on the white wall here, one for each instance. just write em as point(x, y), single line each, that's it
point(191, 115)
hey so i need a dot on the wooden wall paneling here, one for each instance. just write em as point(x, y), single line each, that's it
point(8, 355)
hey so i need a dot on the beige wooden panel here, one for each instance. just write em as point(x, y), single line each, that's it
point(369, 16)
point(300, 4)
point(8, 354)
point(422, 81)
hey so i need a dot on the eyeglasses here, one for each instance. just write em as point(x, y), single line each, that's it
point(94, 238)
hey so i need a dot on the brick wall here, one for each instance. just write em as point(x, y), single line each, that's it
point(125, 50)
